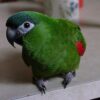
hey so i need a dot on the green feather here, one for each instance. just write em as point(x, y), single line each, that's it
point(50, 46)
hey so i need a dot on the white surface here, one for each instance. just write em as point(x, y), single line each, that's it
point(16, 78)
point(80, 92)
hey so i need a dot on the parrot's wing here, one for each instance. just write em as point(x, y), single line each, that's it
point(74, 32)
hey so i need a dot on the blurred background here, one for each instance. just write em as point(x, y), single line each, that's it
point(56, 8)
point(16, 77)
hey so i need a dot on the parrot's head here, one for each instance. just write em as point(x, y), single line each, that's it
point(19, 25)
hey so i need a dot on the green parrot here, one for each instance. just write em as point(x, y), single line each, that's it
point(51, 46)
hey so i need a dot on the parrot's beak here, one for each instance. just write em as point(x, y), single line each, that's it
point(11, 35)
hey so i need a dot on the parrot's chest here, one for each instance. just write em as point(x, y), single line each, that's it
point(51, 58)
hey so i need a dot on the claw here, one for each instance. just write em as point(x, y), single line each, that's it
point(41, 86)
point(42, 89)
point(67, 78)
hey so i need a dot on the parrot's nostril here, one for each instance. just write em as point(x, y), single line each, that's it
point(18, 34)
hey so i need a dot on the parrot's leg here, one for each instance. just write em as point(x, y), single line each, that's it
point(41, 86)
point(68, 77)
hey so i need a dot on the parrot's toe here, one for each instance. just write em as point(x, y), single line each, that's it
point(68, 77)
point(41, 86)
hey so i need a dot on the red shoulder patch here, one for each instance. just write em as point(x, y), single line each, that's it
point(80, 48)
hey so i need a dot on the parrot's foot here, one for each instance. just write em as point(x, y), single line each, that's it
point(68, 77)
point(41, 86)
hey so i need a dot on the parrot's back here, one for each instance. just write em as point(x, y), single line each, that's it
point(53, 47)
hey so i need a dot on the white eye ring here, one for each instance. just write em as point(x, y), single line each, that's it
point(25, 27)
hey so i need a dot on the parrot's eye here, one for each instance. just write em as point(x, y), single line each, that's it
point(25, 27)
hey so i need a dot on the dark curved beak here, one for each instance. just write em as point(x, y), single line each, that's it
point(11, 35)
